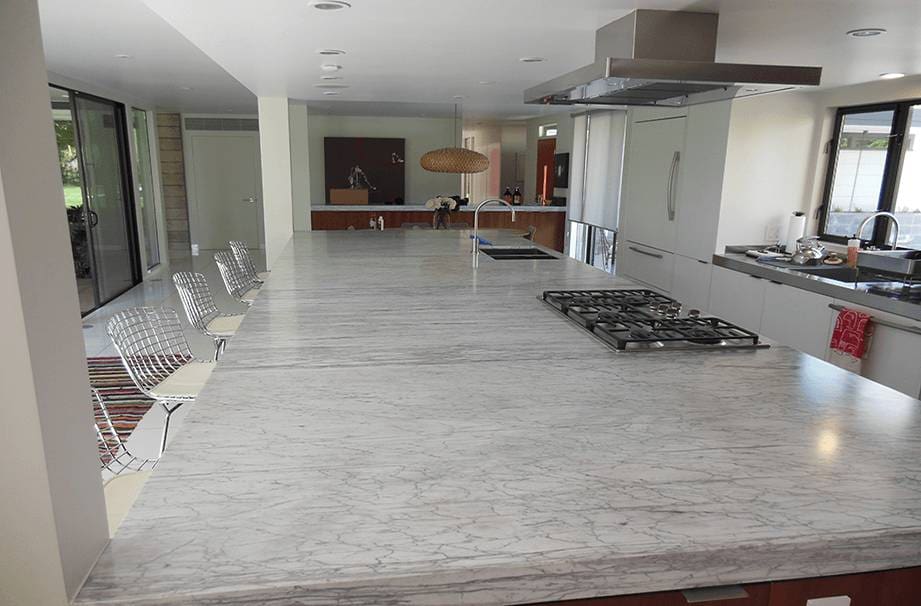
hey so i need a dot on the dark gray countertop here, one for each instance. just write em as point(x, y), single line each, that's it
point(853, 293)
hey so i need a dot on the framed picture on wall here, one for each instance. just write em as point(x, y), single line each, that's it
point(375, 165)
point(561, 167)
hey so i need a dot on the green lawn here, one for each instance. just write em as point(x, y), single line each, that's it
point(72, 196)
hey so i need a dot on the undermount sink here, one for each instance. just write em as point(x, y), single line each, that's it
point(900, 264)
point(524, 253)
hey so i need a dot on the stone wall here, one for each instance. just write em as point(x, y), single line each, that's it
point(172, 178)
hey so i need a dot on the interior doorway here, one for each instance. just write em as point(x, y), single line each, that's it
point(546, 170)
point(224, 184)
point(92, 152)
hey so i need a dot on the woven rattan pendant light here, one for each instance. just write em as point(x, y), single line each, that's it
point(454, 159)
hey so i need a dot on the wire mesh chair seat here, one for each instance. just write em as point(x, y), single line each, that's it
point(202, 312)
point(114, 455)
point(238, 282)
point(245, 261)
point(157, 357)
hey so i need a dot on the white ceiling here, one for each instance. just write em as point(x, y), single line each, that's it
point(427, 51)
point(82, 37)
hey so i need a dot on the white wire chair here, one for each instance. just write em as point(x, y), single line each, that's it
point(154, 351)
point(245, 261)
point(202, 312)
point(114, 455)
point(238, 283)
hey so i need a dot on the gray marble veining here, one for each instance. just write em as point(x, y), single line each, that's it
point(393, 427)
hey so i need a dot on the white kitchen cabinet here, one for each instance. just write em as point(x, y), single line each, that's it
point(651, 176)
point(645, 264)
point(797, 318)
point(737, 297)
point(894, 358)
point(700, 180)
point(691, 283)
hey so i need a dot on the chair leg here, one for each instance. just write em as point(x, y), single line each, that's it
point(219, 345)
point(169, 413)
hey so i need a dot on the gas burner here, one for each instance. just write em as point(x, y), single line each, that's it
point(641, 320)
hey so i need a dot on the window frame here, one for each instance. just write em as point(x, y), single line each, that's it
point(892, 169)
point(542, 130)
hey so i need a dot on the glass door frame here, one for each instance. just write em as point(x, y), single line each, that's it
point(127, 183)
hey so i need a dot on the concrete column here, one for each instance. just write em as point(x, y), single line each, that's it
point(277, 200)
point(52, 514)
point(300, 165)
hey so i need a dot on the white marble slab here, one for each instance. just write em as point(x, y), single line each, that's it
point(393, 427)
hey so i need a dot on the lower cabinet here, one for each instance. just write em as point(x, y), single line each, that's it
point(737, 297)
point(797, 318)
point(886, 588)
point(691, 283)
point(646, 264)
point(893, 358)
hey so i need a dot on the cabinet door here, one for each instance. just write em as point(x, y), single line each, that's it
point(796, 318)
point(691, 283)
point(700, 180)
point(737, 297)
point(893, 358)
point(648, 265)
point(651, 177)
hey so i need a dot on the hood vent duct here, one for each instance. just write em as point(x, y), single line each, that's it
point(666, 58)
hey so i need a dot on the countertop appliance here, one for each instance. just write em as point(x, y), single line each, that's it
point(644, 320)
point(661, 57)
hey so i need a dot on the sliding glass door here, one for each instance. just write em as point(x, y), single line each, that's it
point(143, 172)
point(92, 149)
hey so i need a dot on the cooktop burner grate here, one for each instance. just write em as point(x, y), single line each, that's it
point(640, 319)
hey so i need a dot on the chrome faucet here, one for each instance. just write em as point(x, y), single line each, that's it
point(895, 224)
point(476, 226)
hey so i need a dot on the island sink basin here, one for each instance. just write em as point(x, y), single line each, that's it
point(505, 254)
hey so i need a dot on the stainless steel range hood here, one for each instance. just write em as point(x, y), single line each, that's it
point(656, 57)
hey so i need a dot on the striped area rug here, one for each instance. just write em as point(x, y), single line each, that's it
point(126, 404)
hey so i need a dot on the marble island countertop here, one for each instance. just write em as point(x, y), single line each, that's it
point(391, 426)
point(531, 208)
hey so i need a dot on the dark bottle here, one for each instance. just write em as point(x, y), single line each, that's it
point(516, 197)
point(507, 196)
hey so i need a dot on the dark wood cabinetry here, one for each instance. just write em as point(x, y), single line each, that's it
point(887, 588)
point(550, 225)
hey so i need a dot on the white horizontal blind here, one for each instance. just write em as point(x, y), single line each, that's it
point(603, 168)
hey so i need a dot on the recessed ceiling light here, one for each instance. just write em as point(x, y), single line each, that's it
point(330, 77)
point(866, 32)
point(330, 51)
point(123, 56)
point(532, 59)
point(891, 76)
point(457, 97)
point(331, 85)
point(487, 82)
point(330, 93)
point(330, 67)
point(185, 88)
point(330, 5)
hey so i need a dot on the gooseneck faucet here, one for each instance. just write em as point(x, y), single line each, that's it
point(895, 224)
point(476, 226)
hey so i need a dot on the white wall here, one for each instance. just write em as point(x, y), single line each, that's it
point(421, 135)
point(275, 155)
point(298, 129)
point(770, 158)
point(52, 513)
point(487, 140)
point(514, 141)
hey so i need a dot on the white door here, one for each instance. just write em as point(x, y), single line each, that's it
point(691, 283)
point(651, 179)
point(737, 297)
point(224, 188)
point(797, 318)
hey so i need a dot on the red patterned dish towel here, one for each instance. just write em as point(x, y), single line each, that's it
point(850, 339)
